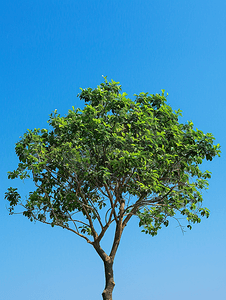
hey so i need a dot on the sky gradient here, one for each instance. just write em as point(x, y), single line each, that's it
point(49, 49)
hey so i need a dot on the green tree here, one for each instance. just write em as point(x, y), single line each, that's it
point(114, 159)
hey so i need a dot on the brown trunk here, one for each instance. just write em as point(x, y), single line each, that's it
point(108, 260)
point(109, 279)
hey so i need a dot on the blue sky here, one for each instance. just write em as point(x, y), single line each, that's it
point(49, 49)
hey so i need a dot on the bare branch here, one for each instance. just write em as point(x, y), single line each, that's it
point(65, 227)
point(118, 230)
point(95, 235)
point(111, 201)
point(79, 222)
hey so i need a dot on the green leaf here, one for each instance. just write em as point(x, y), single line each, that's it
point(114, 150)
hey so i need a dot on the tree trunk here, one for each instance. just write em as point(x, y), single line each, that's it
point(109, 279)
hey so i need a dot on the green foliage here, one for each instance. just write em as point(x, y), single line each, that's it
point(116, 150)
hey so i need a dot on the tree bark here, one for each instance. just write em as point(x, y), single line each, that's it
point(109, 280)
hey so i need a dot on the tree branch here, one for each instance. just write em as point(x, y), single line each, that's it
point(94, 233)
point(111, 201)
point(118, 230)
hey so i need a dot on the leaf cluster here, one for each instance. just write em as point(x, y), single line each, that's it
point(115, 151)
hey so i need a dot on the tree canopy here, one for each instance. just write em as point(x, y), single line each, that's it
point(114, 159)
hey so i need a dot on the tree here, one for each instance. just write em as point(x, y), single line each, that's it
point(114, 159)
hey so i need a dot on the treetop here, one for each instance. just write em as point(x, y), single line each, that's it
point(115, 150)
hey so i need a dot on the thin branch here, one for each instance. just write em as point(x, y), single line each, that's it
point(107, 214)
point(79, 222)
point(132, 212)
point(95, 235)
point(179, 224)
point(111, 201)
point(57, 224)
point(142, 202)
point(65, 227)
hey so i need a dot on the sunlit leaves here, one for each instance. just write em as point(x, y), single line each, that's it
point(132, 147)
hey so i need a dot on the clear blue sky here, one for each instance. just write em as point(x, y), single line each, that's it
point(51, 48)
